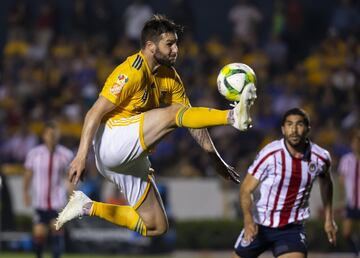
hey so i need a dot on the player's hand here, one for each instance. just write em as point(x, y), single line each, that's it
point(233, 175)
point(76, 170)
point(250, 231)
point(331, 229)
point(224, 170)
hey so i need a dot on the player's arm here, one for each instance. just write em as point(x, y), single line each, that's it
point(26, 186)
point(202, 137)
point(92, 121)
point(247, 188)
point(326, 189)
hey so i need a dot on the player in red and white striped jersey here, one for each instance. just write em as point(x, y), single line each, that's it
point(283, 173)
point(349, 169)
point(46, 166)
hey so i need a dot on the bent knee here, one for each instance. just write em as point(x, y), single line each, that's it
point(157, 231)
point(171, 112)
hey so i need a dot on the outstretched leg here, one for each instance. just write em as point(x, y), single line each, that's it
point(159, 122)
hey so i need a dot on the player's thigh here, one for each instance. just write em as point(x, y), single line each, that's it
point(158, 123)
point(289, 241)
point(152, 210)
point(293, 255)
point(116, 144)
point(39, 230)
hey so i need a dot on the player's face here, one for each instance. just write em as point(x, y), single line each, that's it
point(295, 130)
point(51, 136)
point(167, 49)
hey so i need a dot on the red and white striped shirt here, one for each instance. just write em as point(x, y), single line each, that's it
point(48, 180)
point(349, 168)
point(285, 183)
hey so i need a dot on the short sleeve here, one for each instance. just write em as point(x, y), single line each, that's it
point(29, 161)
point(342, 169)
point(121, 84)
point(258, 168)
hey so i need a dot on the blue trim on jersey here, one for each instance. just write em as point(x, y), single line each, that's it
point(138, 62)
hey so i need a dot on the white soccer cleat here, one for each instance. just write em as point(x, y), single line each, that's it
point(74, 208)
point(242, 119)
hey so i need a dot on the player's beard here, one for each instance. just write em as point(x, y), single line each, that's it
point(163, 59)
point(295, 144)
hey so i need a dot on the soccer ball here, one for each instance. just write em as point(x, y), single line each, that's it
point(233, 78)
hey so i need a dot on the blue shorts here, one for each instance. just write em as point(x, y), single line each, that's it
point(291, 238)
point(44, 216)
point(352, 213)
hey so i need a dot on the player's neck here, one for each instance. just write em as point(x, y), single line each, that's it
point(50, 147)
point(296, 151)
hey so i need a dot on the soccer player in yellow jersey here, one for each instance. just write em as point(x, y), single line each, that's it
point(126, 121)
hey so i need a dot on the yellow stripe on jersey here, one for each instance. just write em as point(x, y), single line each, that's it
point(124, 121)
point(141, 133)
point(142, 198)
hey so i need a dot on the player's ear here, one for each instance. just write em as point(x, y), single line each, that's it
point(151, 46)
point(282, 130)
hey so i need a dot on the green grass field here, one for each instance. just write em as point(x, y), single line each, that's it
point(202, 254)
point(190, 254)
point(175, 255)
point(29, 255)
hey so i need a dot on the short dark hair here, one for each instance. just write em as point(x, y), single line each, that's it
point(156, 26)
point(50, 124)
point(296, 111)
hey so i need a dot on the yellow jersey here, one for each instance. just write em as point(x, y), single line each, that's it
point(134, 89)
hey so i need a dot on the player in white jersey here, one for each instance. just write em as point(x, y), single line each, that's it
point(45, 175)
point(349, 169)
point(283, 173)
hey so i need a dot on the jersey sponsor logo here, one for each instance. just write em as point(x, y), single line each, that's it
point(119, 84)
point(138, 62)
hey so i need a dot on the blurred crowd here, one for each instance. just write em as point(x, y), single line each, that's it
point(48, 73)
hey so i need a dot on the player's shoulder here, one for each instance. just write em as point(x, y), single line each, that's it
point(348, 156)
point(269, 149)
point(39, 149)
point(320, 152)
point(272, 146)
point(133, 67)
point(63, 150)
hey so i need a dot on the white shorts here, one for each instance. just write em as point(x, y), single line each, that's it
point(121, 157)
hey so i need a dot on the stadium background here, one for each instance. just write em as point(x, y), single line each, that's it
point(55, 56)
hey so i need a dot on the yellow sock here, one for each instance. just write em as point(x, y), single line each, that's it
point(200, 117)
point(120, 215)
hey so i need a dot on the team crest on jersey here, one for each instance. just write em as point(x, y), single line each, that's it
point(119, 84)
point(313, 167)
point(244, 242)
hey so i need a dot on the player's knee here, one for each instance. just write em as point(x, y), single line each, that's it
point(157, 229)
point(171, 112)
point(160, 230)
